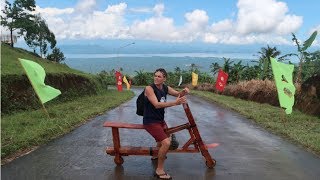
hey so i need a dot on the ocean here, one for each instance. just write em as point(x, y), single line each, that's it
point(95, 63)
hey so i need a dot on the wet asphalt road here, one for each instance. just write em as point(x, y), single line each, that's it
point(246, 151)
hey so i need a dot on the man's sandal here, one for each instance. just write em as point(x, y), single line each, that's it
point(162, 176)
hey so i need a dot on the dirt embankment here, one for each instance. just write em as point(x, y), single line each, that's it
point(307, 96)
point(17, 93)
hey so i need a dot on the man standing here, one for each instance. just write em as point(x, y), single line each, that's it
point(153, 117)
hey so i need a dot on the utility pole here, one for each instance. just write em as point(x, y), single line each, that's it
point(118, 72)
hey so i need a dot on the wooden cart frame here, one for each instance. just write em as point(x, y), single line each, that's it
point(195, 139)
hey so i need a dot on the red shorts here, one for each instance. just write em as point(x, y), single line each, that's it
point(157, 130)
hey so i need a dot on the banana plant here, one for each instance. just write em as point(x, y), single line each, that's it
point(302, 53)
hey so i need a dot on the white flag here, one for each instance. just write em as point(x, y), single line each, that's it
point(180, 81)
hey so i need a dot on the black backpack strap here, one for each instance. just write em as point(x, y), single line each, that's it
point(165, 88)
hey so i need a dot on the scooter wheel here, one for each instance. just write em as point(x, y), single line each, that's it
point(211, 165)
point(118, 161)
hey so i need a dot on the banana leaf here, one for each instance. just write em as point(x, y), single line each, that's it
point(309, 41)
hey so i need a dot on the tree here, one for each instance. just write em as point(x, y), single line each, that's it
point(251, 72)
point(194, 68)
point(311, 66)
point(141, 78)
point(214, 68)
point(226, 67)
point(177, 70)
point(56, 55)
point(303, 55)
point(18, 16)
point(39, 35)
point(236, 72)
point(205, 78)
point(264, 61)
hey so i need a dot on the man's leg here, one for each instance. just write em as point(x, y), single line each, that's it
point(155, 156)
point(162, 156)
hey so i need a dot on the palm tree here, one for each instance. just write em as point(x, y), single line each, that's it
point(237, 70)
point(251, 72)
point(227, 65)
point(141, 78)
point(194, 68)
point(264, 60)
point(214, 68)
point(177, 70)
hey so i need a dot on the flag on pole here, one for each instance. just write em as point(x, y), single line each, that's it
point(119, 80)
point(180, 81)
point(36, 76)
point(194, 79)
point(126, 81)
point(221, 80)
point(283, 77)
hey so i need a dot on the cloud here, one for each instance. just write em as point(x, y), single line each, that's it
point(116, 9)
point(158, 9)
point(51, 12)
point(197, 20)
point(85, 23)
point(263, 21)
point(222, 26)
point(163, 28)
point(85, 6)
point(265, 16)
point(210, 38)
point(155, 28)
point(141, 10)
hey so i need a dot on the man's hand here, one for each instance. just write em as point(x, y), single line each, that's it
point(184, 92)
point(181, 100)
point(186, 89)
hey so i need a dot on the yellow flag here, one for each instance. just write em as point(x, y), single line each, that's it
point(194, 79)
point(126, 81)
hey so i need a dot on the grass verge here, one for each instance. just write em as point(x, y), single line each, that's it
point(26, 130)
point(297, 127)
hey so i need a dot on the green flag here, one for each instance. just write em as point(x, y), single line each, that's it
point(283, 78)
point(36, 75)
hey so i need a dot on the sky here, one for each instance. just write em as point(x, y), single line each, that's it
point(229, 22)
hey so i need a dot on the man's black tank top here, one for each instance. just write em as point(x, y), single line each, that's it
point(151, 114)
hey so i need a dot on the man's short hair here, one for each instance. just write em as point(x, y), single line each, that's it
point(163, 71)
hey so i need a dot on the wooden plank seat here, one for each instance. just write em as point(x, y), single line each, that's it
point(123, 125)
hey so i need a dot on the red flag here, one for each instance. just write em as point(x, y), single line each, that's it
point(119, 80)
point(221, 80)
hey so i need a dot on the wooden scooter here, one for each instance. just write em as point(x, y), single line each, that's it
point(118, 151)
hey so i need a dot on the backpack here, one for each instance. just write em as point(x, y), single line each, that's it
point(140, 99)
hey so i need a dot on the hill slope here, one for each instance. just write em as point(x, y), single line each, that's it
point(11, 65)
point(17, 93)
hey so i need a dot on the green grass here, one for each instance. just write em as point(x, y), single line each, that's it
point(297, 127)
point(32, 128)
point(11, 65)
